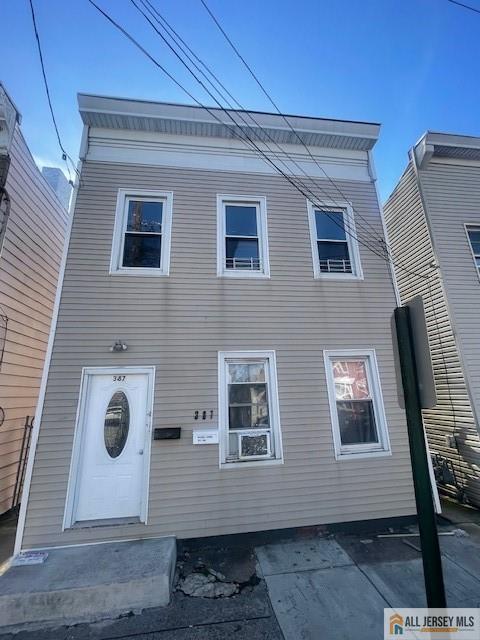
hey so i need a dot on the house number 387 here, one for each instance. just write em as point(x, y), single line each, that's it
point(118, 378)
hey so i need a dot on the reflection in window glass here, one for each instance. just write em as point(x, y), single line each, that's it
point(355, 409)
point(116, 424)
point(474, 237)
point(142, 246)
point(332, 243)
point(248, 410)
point(241, 237)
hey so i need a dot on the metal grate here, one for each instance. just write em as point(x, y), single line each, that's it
point(335, 266)
point(248, 264)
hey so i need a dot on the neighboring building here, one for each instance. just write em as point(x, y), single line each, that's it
point(57, 180)
point(205, 298)
point(433, 221)
point(33, 224)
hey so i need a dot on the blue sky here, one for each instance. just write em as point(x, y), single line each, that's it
point(411, 65)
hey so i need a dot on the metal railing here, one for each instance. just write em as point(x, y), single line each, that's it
point(249, 264)
point(335, 266)
point(22, 461)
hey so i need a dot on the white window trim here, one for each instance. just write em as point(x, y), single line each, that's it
point(274, 409)
point(123, 196)
point(467, 226)
point(262, 233)
point(353, 249)
point(357, 451)
point(73, 476)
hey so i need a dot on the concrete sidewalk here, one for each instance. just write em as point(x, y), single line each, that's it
point(307, 586)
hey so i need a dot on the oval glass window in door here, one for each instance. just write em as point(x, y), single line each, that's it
point(117, 424)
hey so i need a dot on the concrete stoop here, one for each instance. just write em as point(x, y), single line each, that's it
point(88, 583)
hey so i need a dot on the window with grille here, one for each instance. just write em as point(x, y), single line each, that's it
point(242, 237)
point(334, 246)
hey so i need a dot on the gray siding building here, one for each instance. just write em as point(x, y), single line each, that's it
point(223, 359)
point(433, 221)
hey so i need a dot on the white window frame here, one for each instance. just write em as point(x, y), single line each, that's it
point(476, 226)
point(224, 358)
point(350, 234)
point(260, 202)
point(356, 451)
point(121, 214)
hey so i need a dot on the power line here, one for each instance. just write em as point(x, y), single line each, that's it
point(233, 130)
point(465, 6)
point(65, 155)
point(304, 188)
point(180, 42)
point(294, 131)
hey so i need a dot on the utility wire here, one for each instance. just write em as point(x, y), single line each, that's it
point(465, 6)
point(186, 50)
point(274, 104)
point(233, 130)
point(294, 131)
point(304, 189)
point(214, 115)
point(241, 115)
point(65, 155)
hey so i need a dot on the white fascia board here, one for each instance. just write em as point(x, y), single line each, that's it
point(220, 154)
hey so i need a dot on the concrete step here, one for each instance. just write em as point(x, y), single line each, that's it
point(88, 583)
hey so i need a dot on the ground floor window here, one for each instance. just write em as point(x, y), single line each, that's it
point(356, 404)
point(248, 407)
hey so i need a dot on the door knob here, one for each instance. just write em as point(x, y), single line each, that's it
point(140, 453)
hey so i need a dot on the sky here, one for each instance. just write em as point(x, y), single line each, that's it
point(410, 65)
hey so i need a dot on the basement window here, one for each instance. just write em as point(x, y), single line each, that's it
point(356, 404)
point(248, 407)
point(242, 243)
point(141, 240)
point(335, 250)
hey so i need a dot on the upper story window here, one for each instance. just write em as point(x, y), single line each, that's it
point(356, 404)
point(334, 247)
point(248, 407)
point(141, 241)
point(242, 243)
point(473, 233)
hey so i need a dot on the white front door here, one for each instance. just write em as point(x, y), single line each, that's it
point(113, 446)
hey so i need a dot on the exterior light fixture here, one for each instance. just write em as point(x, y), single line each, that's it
point(119, 346)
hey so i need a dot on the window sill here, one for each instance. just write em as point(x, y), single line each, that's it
point(140, 271)
point(337, 276)
point(252, 464)
point(358, 455)
point(244, 274)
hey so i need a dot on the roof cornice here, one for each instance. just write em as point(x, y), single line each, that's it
point(446, 145)
point(177, 119)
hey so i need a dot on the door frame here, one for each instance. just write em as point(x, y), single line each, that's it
point(73, 478)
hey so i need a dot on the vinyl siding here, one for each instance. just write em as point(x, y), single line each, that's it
point(452, 197)
point(29, 266)
point(412, 249)
point(179, 324)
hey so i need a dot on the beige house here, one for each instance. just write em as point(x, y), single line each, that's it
point(433, 221)
point(32, 233)
point(223, 358)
